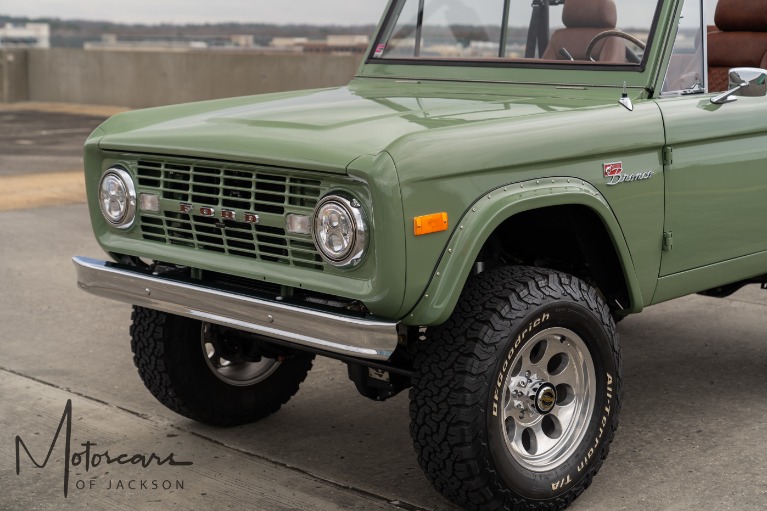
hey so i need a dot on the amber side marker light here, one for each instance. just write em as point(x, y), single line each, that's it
point(428, 224)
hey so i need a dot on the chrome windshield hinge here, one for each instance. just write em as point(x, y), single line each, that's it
point(668, 241)
point(668, 155)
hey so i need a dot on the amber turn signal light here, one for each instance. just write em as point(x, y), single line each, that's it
point(430, 223)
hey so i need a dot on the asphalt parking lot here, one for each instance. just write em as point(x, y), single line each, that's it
point(691, 433)
point(45, 138)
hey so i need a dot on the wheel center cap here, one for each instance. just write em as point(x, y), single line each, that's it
point(545, 398)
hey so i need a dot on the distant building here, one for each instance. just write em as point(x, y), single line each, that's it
point(288, 43)
point(331, 44)
point(30, 35)
point(348, 40)
point(110, 42)
point(337, 44)
point(243, 40)
point(233, 42)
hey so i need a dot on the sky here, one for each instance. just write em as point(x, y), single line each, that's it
point(320, 12)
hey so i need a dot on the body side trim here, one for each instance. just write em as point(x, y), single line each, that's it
point(711, 276)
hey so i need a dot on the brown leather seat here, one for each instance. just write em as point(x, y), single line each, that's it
point(740, 39)
point(584, 19)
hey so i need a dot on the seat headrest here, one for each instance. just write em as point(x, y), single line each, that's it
point(589, 14)
point(741, 15)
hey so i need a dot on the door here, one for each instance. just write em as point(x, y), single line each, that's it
point(716, 181)
point(716, 185)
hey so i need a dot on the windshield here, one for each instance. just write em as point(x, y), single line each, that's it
point(609, 32)
point(686, 72)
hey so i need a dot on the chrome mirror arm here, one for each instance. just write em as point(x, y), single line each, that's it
point(744, 81)
point(727, 97)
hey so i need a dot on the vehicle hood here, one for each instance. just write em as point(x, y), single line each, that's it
point(321, 130)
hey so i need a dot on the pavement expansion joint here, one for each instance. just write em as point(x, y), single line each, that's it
point(362, 493)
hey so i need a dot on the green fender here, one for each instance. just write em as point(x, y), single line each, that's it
point(491, 210)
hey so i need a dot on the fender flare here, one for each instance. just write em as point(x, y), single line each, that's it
point(487, 213)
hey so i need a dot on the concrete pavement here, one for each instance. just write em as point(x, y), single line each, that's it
point(690, 438)
point(202, 474)
point(44, 137)
point(63, 344)
point(41, 152)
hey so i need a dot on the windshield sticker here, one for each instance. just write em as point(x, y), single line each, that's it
point(379, 51)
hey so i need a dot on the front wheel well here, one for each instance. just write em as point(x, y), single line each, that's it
point(570, 238)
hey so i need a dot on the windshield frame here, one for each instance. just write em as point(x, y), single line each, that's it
point(703, 4)
point(504, 63)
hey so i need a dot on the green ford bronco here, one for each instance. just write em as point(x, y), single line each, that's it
point(498, 185)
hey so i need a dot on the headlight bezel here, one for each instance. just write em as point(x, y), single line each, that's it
point(128, 217)
point(355, 214)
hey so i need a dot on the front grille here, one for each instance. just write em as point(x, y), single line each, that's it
point(261, 191)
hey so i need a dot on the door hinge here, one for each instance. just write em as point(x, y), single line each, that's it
point(668, 155)
point(668, 241)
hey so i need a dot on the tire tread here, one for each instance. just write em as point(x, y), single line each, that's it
point(155, 336)
point(452, 368)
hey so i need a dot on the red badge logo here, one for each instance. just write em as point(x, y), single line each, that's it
point(613, 169)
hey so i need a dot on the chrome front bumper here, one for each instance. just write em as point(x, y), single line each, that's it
point(325, 331)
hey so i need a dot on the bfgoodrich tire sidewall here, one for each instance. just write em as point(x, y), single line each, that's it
point(597, 336)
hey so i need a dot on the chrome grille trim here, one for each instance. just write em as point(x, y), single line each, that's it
point(269, 193)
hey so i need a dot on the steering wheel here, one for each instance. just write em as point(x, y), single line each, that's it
point(616, 33)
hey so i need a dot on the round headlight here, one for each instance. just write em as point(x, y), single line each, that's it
point(117, 198)
point(340, 232)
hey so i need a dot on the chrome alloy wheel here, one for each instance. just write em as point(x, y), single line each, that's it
point(548, 399)
point(231, 368)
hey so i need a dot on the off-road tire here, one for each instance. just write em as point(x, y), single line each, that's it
point(168, 354)
point(459, 367)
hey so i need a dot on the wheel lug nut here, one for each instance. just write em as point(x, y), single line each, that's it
point(522, 415)
point(523, 383)
point(527, 374)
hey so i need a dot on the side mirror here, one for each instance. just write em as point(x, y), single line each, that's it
point(746, 82)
